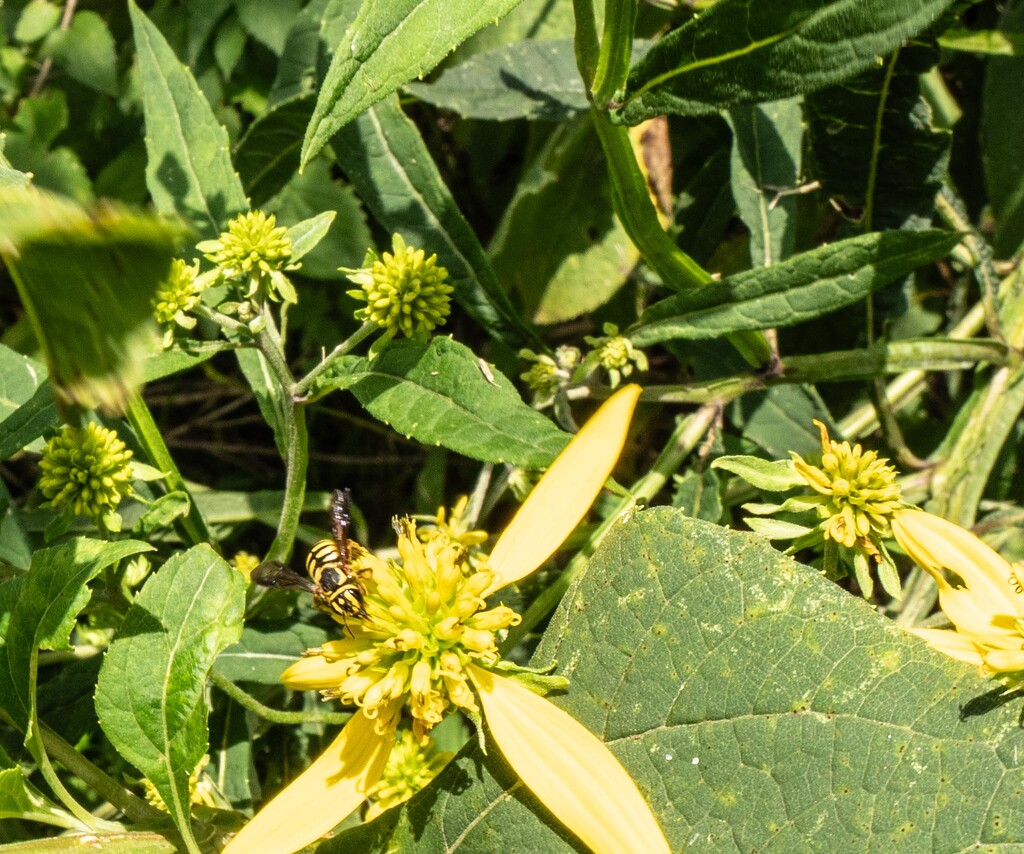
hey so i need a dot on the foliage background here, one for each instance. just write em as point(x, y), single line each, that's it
point(853, 185)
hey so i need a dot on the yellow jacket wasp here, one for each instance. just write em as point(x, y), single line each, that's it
point(335, 586)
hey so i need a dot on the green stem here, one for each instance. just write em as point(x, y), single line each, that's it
point(636, 211)
point(192, 526)
point(296, 462)
point(222, 320)
point(133, 807)
point(906, 387)
point(38, 751)
point(275, 715)
point(616, 51)
point(688, 433)
point(585, 41)
point(918, 355)
point(343, 349)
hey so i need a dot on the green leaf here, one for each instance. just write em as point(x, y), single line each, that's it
point(19, 799)
point(530, 79)
point(391, 168)
point(348, 238)
point(268, 155)
point(440, 393)
point(109, 843)
point(192, 353)
point(27, 406)
point(744, 52)
point(37, 19)
point(994, 42)
point(388, 45)
point(777, 529)
point(86, 52)
point(189, 169)
point(307, 234)
point(270, 397)
point(265, 650)
point(268, 22)
point(86, 277)
point(769, 475)
point(559, 243)
point(49, 599)
point(766, 171)
point(162, 513)
point(779, 419)
point(30, 147)
point(151, 694)
point(699, 494)
point(15, 546)
point(9, 176)
point(758, 706)
point(1002, 126)
point(874, 143)
point(802, 288)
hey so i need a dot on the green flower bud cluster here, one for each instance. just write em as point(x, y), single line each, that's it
point(615, 353)
point(86, 470)
point(176, 296)
point(405, 292)
point(252, 255)
point(548, 375)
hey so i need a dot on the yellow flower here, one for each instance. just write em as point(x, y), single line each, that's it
point(442, 653)
point(857, 492)
point(450, 527)
point(980, 592)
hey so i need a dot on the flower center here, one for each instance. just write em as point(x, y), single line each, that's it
point(427, 621)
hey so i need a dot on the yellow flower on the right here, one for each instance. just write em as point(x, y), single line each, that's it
point(978, 590)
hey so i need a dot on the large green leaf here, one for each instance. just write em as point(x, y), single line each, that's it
point(44, 604)
point(766, 171)
point(388, 45)
point(526, 80)
point(86, 277)
point(189, 169)
point(266, 649)
point(151, 694)
point(1002, 131)
point(758, 706)
point(802, 288)
point(874, 143)
point(441, 394)
point(559, 244)
point(747, 51)
point(385, 158)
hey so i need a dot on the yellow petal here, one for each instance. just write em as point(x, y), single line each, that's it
point(565, 492)
point(973, 616)
point(568, 768)
point(326, 792)
point(935, 544)
point(314, 673)
point(952, 644)
point(1005, 660)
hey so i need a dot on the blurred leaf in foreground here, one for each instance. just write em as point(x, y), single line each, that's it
point(86, 277)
